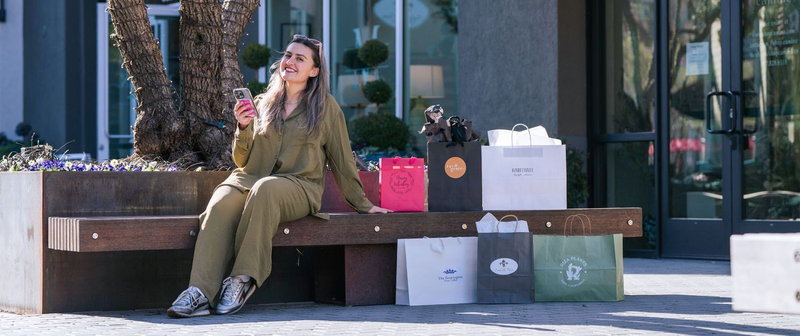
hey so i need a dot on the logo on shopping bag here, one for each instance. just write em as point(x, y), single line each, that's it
point(401, 182)
point(522, 171)
point(573, 272)
point(449, 277)
point(504, 266)
point(455, 167)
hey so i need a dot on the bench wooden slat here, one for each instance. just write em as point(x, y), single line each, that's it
point(136, 233)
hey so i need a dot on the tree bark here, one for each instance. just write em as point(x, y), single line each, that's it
point(202, 129)
point(201, 47)
point(158, 130)
point(235, 17)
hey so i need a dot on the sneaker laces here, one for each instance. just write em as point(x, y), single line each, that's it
point(231, 289)
point(190, 297)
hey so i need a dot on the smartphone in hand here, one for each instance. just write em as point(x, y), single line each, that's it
point(243, 95)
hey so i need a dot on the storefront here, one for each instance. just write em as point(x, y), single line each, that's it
point(693, 119)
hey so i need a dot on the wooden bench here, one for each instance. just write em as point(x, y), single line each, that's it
point(355, 259)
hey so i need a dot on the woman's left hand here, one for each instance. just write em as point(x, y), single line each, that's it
point(376, 209)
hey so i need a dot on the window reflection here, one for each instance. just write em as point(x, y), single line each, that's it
point(695, 61)
point(432, 35)
point(629, 59)
point(770, 69)
point(626, 178)
point(354, 22)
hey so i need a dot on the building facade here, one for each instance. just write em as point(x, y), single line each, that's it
point(683, 107)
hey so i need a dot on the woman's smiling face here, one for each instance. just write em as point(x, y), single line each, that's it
point(297, 64)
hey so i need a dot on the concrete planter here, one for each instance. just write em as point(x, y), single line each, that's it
point(34, 279)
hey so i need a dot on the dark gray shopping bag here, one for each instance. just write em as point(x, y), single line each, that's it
point(505, 267)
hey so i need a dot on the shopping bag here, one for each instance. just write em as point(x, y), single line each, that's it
point(402, 184)
point(490, 224)
point(578, 268)
point(505, 266)
point(433, 271)
point(454, 176)
point(533, 136)
point(524, 178)
point(765, 268)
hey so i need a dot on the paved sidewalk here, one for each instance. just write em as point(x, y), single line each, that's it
point(661, 297)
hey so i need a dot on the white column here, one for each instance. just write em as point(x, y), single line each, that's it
point(262, 34)
point(399, 17)
point(326, 34)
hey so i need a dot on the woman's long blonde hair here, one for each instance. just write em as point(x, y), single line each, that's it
point(270, 104)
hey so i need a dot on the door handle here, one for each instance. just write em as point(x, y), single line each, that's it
point(740, 119)
point(732, 115)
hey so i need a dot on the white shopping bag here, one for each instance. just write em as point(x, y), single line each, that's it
point(530, 136)
point(524, 178)
point(765, 269)
point(434, 271)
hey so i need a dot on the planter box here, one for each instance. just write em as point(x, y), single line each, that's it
point(34, 279)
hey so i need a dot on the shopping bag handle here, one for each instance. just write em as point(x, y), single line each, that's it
point(410, 161)
point(571, 219)
point(530, 138)
point(441, 249)
point(438, 249)
point(497, 228)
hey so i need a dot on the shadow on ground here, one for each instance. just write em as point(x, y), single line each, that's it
point(637, 313)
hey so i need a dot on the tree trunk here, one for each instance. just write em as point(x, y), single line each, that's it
point(201, 50)
point(235, 17)
point(158, 130)
point(202, 130)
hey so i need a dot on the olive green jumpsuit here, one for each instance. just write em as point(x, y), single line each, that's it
point(279, 179)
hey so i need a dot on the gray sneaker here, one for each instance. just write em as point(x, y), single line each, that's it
point(234, 295)
point(190, 303)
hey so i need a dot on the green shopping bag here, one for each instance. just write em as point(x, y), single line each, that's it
point(577, 268)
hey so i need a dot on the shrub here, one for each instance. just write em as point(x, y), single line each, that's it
point(256, 56)
point(382, 130)
point(373, 52)
point(377, 91)
point(577, 181)
point(257, 88)
point(352, 61)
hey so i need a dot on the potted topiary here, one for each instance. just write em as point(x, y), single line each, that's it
point(256, 56)
point(373, 53)
point(380, 135)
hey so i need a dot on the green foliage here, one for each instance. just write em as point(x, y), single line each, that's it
point(577, 181)
point(256, 87)
point(256, 56)
point(373, 52)
point(27, 138)
point(378, 91)
point(382, 130)
point(352, 61)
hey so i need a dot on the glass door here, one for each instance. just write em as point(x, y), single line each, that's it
point(696, 144)
point(732, 163)
point(767, 164)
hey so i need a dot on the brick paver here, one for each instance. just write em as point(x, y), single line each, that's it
point(661, 297)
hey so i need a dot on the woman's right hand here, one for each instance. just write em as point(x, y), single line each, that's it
point(244, 113)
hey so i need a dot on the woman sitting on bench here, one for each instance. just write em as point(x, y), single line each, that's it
point(281, 156)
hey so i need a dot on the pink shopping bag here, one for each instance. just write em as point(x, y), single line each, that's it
point(402, 183)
